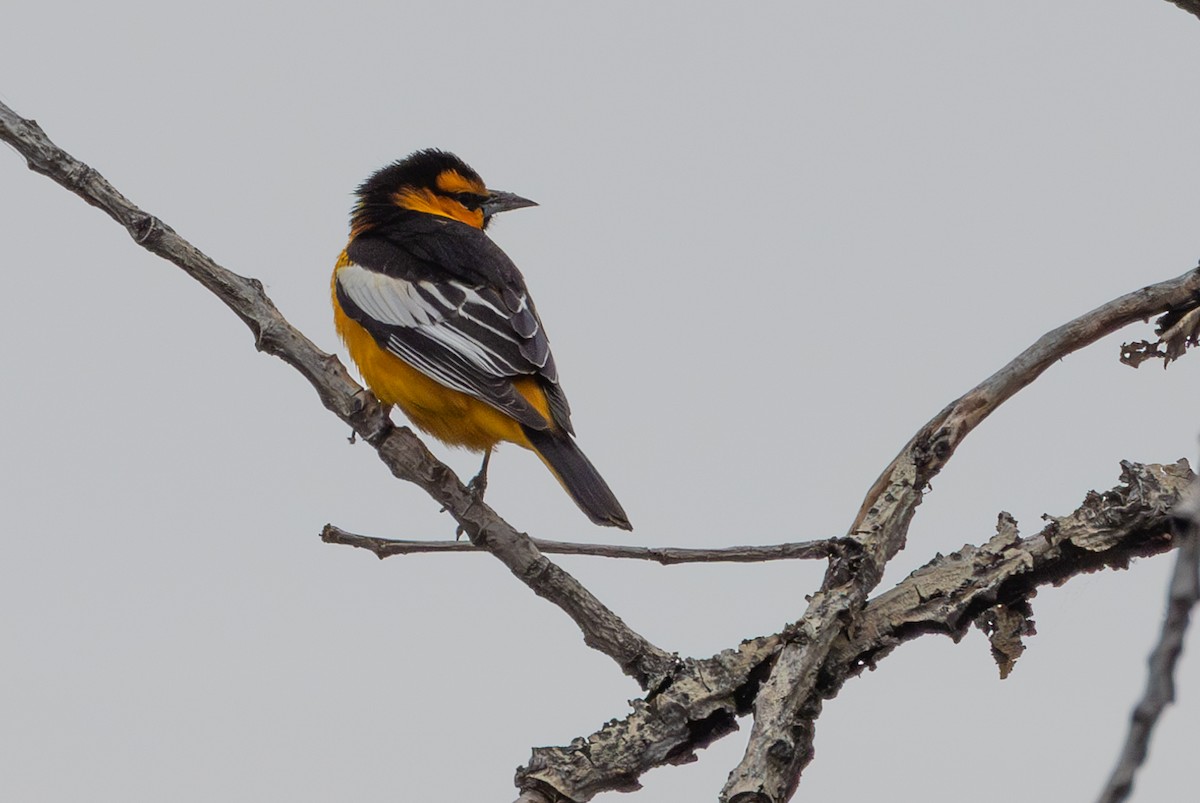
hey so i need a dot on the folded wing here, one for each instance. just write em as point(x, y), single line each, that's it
point(475, 339)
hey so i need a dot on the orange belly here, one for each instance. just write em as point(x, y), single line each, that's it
point(448, 415)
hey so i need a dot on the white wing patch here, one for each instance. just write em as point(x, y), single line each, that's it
point(424, 307)
point(386, 299)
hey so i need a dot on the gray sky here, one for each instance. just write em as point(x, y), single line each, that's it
point(773, 241)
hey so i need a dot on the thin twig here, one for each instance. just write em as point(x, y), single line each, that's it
point(1182, 596)
point(800, 550)
point(780, 744)
point(401, 451)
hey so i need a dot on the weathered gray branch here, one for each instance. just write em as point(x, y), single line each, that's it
point(401, 451)
point(1182, 596)
point(799, 550)
point(781, 740)
point(946, 596)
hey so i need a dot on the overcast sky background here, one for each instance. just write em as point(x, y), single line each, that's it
point(774, 240)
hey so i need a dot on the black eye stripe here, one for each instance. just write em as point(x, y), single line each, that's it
point(470, 200)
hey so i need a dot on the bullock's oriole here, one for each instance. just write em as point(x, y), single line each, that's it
point(440, 323)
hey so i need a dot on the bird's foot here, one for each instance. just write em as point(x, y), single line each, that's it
point(478, 483)
point(478, 486)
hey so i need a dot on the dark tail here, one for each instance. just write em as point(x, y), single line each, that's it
point(578, 477)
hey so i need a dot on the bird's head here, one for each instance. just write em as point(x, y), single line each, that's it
point(430, 182)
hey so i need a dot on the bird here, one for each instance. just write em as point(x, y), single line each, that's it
point(440, 323)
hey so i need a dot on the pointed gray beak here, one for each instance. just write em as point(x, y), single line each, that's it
point(499, 201)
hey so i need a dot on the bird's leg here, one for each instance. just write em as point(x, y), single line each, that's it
point(476, 487)
point(478, 483)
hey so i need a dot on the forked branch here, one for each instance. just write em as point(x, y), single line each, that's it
point(946, 596)
point(781, 740)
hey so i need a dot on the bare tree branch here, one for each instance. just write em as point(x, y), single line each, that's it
point(1182, 596)
point(1134, 519)
point(781, 740)
point(799, 550)
point(398, 447)
point(946, 596)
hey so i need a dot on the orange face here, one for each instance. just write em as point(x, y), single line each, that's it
point(442, 201)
